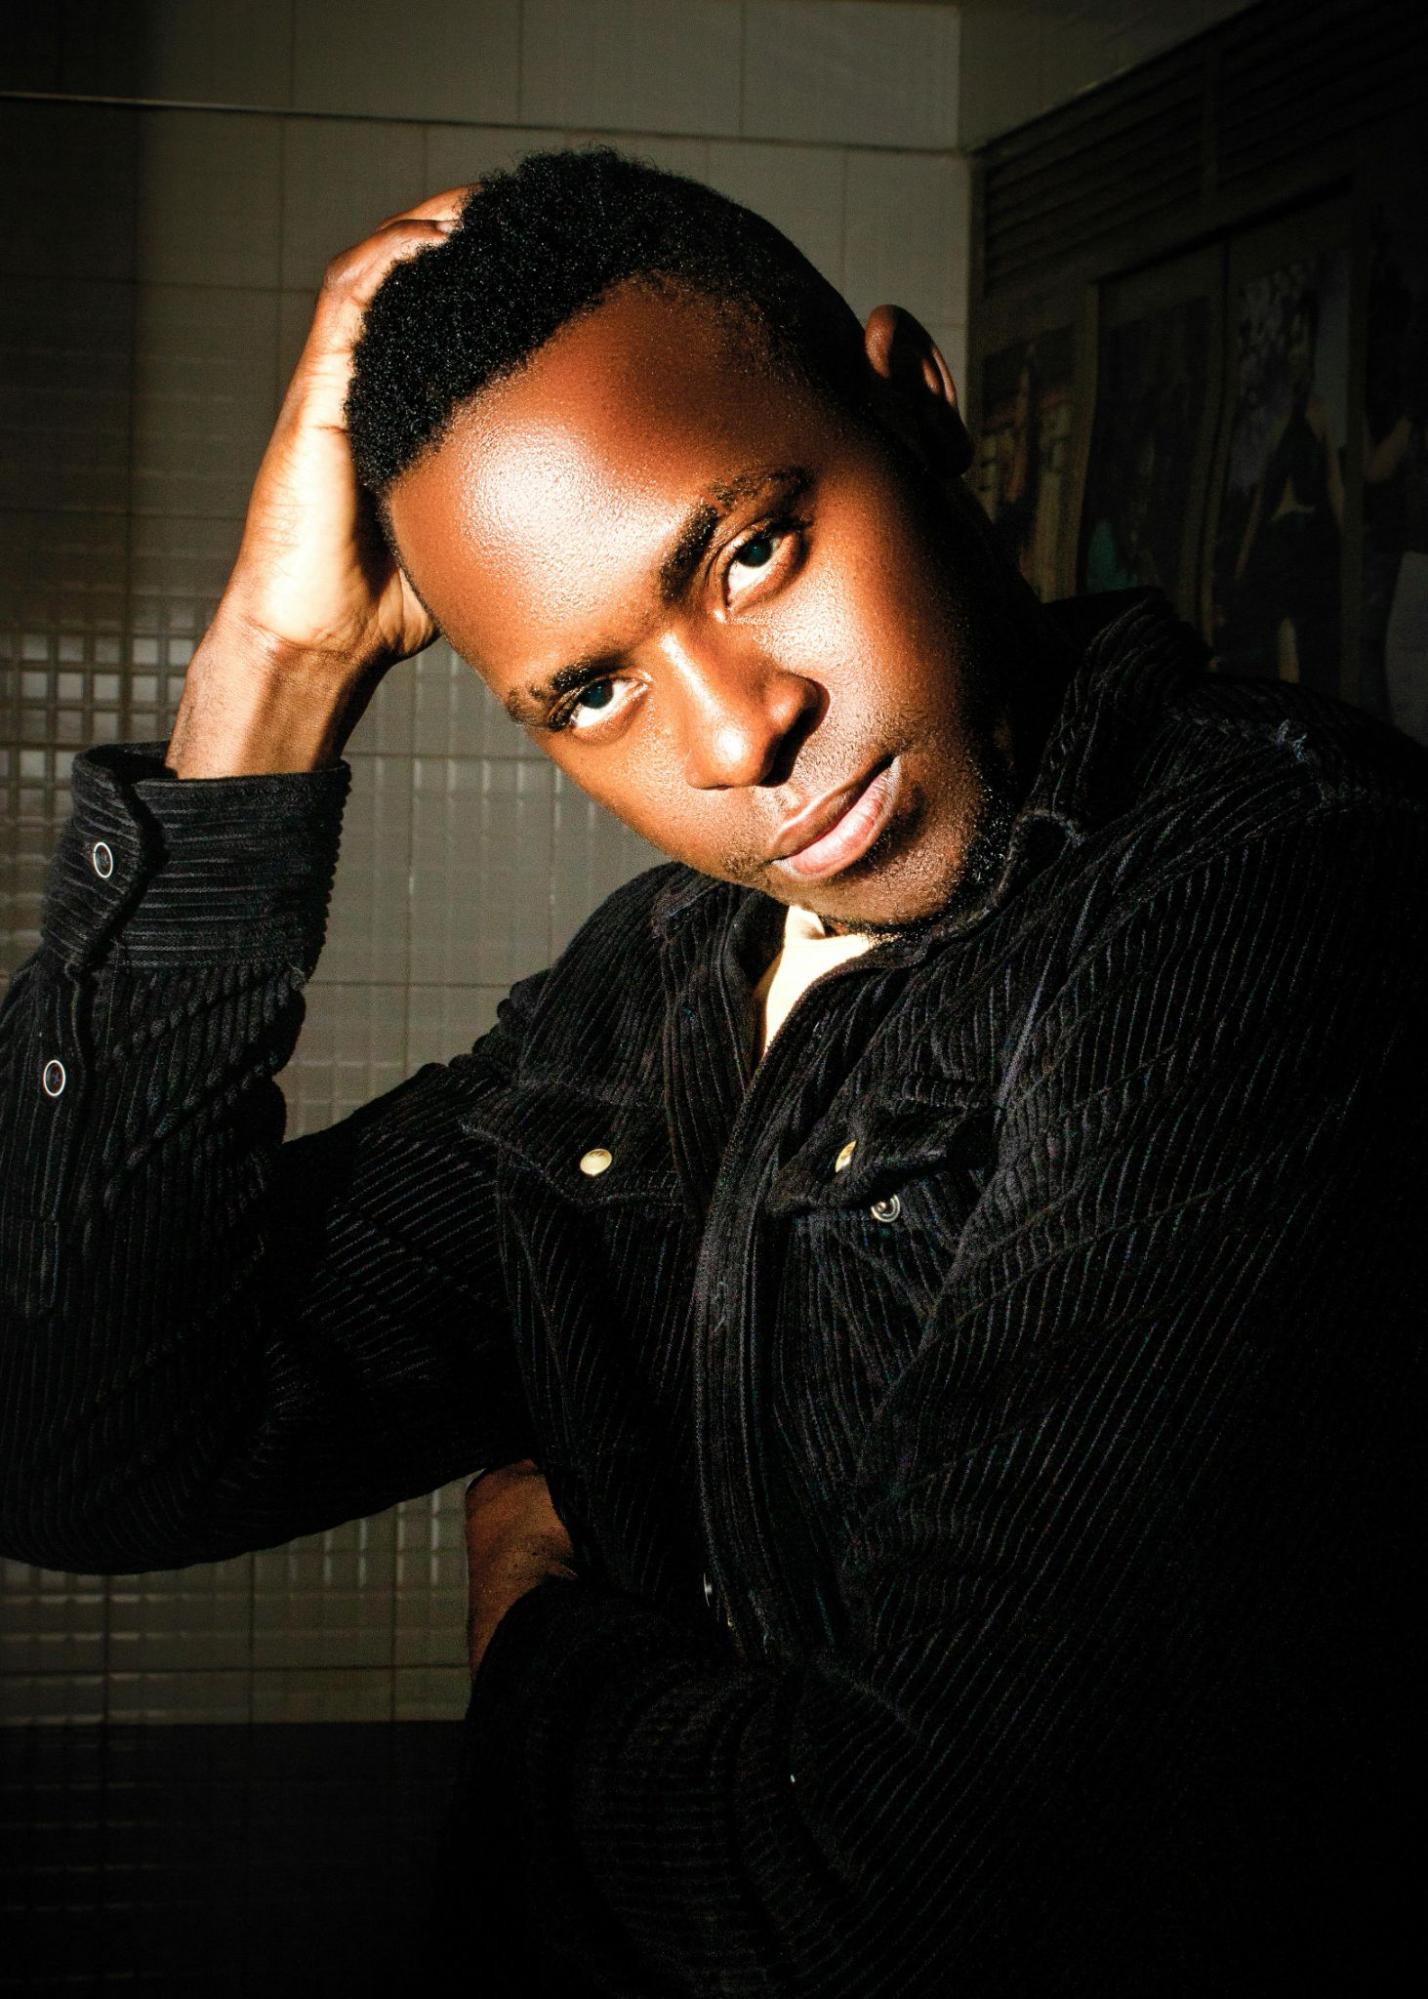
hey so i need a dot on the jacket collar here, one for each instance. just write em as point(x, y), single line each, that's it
point(1128, 658)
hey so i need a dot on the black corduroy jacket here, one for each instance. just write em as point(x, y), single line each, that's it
point(984, 1425)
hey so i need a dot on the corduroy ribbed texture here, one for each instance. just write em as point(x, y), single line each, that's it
point(1051, 1465)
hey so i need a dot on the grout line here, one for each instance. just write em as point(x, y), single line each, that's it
point(631, 132)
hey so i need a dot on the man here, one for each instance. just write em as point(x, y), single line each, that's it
point(969, 1387)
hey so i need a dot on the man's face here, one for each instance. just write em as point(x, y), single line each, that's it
point(746, 625)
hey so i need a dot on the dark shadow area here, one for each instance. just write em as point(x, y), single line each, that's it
point(219, 1860)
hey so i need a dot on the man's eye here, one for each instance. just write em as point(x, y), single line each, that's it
point(593, 703)
point(754, 554)
point(770, 548)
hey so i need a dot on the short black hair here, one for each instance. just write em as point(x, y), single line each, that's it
point(543, 243)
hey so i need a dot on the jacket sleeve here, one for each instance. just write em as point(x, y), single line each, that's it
point(211, 1340)
point(1114, 1569)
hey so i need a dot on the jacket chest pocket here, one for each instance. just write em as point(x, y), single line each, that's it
point(876, 1198)
point(595, 1154)
point(593, 1212)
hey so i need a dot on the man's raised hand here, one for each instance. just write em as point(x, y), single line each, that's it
point(316, 609)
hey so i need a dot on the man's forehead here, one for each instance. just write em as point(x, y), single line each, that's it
point(575, 468)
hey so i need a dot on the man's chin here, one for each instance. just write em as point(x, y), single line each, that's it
point(928, 895)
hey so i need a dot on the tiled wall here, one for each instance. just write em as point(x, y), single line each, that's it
point(157, 263)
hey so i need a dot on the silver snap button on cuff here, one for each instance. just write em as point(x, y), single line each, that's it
point(52, 1078)
point(597, 1160)
point(886, 1210)
point(102, 858)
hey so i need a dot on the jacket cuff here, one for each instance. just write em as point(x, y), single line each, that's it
point(177, 871)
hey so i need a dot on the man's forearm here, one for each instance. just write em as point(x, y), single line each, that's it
point(252, 706)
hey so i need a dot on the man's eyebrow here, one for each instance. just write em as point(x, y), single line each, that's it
point(529, 704)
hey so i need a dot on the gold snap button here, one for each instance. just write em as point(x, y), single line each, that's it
point(886, 1210)
point(596, 1161)
point(845, 1157)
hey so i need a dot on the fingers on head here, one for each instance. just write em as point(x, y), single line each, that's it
point(359, 271)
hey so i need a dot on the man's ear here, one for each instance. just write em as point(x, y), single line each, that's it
point(920, 395)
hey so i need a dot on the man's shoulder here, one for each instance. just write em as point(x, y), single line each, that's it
point(1233, 762)
point(1150, 721)
point(1185, 783)
point(1254, 733)
point(1250, 806)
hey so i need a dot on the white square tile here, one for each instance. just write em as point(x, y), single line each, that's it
point(631, 65)
point(199, 1618)
point(51, 1621)
point(340, 179)
point(204, 367)
point(61, 574)
point(51, 1699)
point(205, 51)
point(180, 1696)
point(594, 854)
point(907, 235)
point(326, 1600)
point(842, 72)
point(481, 861)
point(431, 1579)
point(431, 1693)
point(800, 189)
point(209, 198)
point(314, 1694)
point(445, 59)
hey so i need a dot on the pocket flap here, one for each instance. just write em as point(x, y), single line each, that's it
point(883, 1142)
point(589, 1148)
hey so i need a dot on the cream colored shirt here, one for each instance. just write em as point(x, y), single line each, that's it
point(808, 951)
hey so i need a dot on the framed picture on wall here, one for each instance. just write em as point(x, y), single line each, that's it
point(1024, 471)
point(1147, 475)
point(1393, 615)
point(1273, 592)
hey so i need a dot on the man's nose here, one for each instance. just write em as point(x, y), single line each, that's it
point(742, 716)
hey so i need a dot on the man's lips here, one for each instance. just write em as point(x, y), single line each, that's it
point(832, 832)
